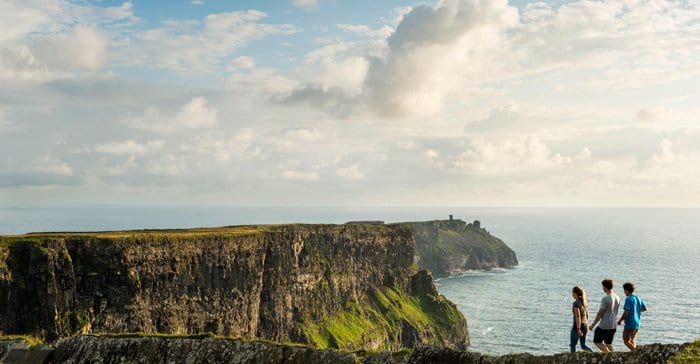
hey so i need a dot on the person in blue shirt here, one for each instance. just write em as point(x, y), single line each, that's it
point(634, 306)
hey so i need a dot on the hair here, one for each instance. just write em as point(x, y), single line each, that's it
point(581, 295)
point(607, 283)
point(629, 287)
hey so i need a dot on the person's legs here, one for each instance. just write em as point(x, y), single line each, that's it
point(609, 340)
point(598, 337)
point(584, 329)
point(573, 340)
point(628, 337)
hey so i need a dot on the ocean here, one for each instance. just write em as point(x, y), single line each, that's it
point(523, 309)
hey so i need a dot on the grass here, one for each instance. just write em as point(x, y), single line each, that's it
point(379, 317)
point(216, 231)
point(690, 355)
point(30, 340)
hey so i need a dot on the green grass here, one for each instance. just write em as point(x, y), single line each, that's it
point(379, 317)
point(30, 340)
point(690, 355)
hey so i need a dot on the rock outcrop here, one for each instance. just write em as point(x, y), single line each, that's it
point(340, 286)
point(448, 246)
point(92, 349)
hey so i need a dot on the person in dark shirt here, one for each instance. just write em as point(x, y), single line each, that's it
point(580, 327)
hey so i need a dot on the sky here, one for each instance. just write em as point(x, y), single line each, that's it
point(350, 103)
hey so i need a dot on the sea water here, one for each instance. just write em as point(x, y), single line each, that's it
point(524, 309)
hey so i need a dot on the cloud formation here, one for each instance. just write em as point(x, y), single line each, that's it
point(193, 115)
point(197, 46)
point(460, 102)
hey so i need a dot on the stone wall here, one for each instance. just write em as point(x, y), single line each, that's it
point(91, 349)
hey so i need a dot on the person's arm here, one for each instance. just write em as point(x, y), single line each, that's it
point(624, 316)
point(598, 317)
point(577, 320)
point(644, 307)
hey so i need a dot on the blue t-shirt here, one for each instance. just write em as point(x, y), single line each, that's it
point(634, 306)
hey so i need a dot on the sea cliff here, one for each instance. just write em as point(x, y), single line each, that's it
point(448, 246)
point(339, 286)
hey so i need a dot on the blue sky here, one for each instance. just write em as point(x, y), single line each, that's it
point(363, 103)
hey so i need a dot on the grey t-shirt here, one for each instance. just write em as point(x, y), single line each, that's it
point(611, 304)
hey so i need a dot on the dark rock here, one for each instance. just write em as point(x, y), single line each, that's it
point(108, 350)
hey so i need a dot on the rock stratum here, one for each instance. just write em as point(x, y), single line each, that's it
point(107, 350)
point(330, 286)
point(445, 247)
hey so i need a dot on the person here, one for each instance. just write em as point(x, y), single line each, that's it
point(634, 306)
point(609, 305)
point(580, 328)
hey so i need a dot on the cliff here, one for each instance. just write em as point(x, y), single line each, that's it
point(448, 246)
point(339, 286)
point(92, 349)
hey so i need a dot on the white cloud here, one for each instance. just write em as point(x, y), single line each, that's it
point(511, 156)
point(167, 165)
point(129, 147)
point(20, 18)
point(84, 47)
point(239, 146)
point(365, 31)
point(241, 62)
point(300, 175)
point(193, 115)
point(665, 154)
point(51, 166)
point(55, 39)
point(197, 46)
point(306, 4)
point(197, 2)
point(432, 52)
point(445, 53)
point(353, 172)
point(256, 81)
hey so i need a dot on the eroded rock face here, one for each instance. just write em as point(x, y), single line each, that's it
point(449, 246)
point(88, 349)
point(289, 283)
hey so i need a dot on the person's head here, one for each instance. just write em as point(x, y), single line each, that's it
point(629, 288)
point(607, 284)
point(579, 294)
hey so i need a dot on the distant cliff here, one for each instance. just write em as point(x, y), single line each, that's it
point(341, 286)
point(448, 246)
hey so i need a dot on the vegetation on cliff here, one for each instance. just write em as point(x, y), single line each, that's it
point(387, 317)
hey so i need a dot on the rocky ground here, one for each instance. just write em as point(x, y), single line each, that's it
point(205, 349)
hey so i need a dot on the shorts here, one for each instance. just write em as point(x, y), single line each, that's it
point(603, 335)
point(629, 334)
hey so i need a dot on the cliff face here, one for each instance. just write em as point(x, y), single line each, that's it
point(448, 246)
point(343, 286)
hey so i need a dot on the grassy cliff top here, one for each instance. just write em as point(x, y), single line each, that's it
point(242, 230)
point(225, 230)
